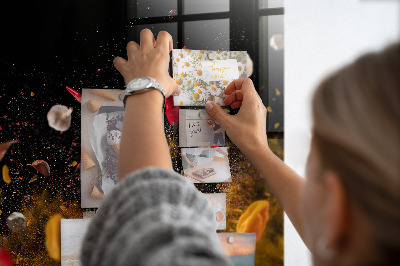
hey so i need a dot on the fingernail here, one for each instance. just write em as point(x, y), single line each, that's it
point(179, 90)
point(209, 106)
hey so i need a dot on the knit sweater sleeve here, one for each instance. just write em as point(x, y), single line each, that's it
point(153, 217)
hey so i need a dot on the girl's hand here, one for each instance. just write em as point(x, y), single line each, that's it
point(149, 59)
point(192, 164)
point(247, 129)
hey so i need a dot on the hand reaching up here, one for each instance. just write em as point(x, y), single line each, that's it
point(247, 129)
point(149, 59)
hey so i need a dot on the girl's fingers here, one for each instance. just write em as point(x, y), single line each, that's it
point(236, 104)
point(233, 97)
point(245, 85)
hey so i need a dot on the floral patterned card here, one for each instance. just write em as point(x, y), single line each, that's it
point(203, 74)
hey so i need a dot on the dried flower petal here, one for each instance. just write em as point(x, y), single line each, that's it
point(6, 175)
point(74, 93)
point(254, 219)
point(42, 167)
point(53, 236)
point(4, 147)
point(171, 111)
point(5, 258)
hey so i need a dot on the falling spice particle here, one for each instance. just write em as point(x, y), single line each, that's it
point(4, 147)
point(42, 167)
point(276, 125)
point(32, 94)
point(6, 175)
point(53, 236)
point(269, 109)
point(33, 179)
point(74, 163)
point(278, 93)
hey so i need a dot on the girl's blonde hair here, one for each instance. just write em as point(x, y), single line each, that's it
point(356, 114)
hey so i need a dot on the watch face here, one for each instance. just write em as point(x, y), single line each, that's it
point(140, 83)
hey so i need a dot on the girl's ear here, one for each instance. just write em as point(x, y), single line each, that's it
point(336, 212)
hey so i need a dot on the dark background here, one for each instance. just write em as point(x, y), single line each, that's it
point(47, 45)
point(57, 33)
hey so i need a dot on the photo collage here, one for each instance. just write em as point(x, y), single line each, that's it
point(204, 156)
point(203, 76)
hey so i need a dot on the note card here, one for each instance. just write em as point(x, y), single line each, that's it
point(203, 74)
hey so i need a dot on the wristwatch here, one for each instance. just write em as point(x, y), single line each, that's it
point(140, 85)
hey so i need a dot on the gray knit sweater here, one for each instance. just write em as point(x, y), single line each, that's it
point(153, 217)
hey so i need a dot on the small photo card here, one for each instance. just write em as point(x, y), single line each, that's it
point(218, 201)
point(240, 248)
point(198, 129)
point(203, 74)
point(72, 234)
point(206, 165)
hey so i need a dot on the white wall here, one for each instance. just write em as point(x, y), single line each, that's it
point(320, 36)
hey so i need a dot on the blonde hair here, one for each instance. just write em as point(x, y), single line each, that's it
point(356, 114)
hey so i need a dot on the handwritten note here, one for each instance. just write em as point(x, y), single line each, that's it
point(194, 128)
point(219, 70)
point(195, 132)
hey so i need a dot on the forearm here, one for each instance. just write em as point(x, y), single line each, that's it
point(143, 141)
point(184, 157)
point(284, 183)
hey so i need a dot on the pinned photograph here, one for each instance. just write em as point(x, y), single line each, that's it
point(218, 201)
point(206, 165)
point(72, 234)
point(203, 75)
point(102, 117)
point(198, 129)
point(240, 248)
